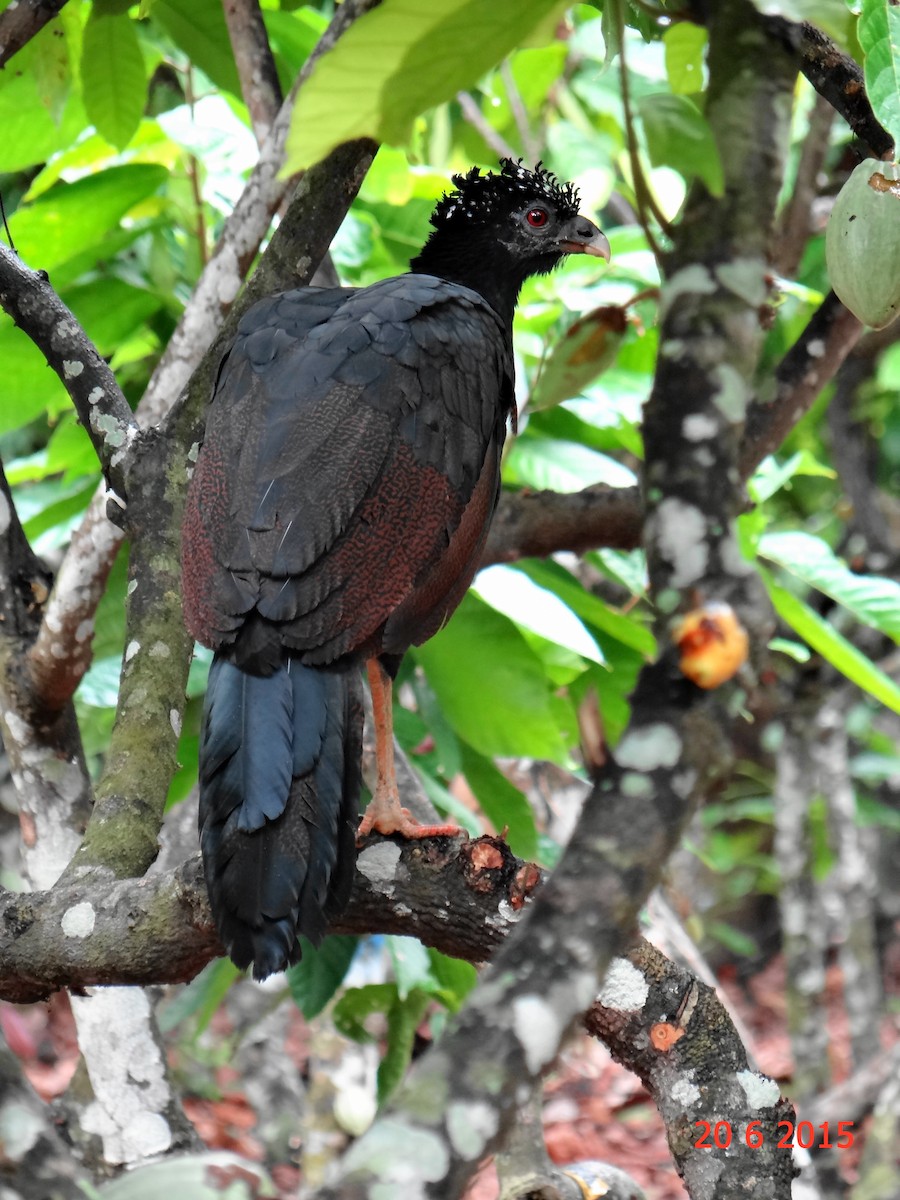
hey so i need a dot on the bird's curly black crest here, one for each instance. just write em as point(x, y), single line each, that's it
point(478, 198)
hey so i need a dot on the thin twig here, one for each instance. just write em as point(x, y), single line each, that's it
point(474, 116)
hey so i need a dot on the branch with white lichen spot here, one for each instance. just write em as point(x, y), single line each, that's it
point(672, 1031)
point(28, 298)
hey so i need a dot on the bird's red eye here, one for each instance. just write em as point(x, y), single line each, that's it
point(536, 217)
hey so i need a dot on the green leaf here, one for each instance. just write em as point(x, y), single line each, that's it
point(201, 997)
point(52, 72)
point(455, 976)
point(678, 136)
point(110, 310)
point(491, 685)
point(879, 36)
point(320, 972)
point(404, 1018)
point(33, 130)
point(27, 377)
point(501, 802)
point(198, 28)
point(771, 475)
point(357, 1004)
point(577, 358)
point(562, 466)
point(113, 79)
point(73, 217)
point(397, 61)
point(628, 630)
point(412, 966)
point(873, 600)
point(536, 608)
point(826, 640)
point(685, 45)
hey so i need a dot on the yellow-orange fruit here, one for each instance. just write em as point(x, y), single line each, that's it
point(713, 644)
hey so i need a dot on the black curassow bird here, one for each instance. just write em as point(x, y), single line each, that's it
point(336, 515)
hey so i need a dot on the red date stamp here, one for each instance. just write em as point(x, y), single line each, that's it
point(719, 1135)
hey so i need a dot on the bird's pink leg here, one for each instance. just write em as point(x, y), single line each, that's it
point(385, 813)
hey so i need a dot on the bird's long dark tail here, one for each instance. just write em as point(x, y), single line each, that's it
point(279, 794)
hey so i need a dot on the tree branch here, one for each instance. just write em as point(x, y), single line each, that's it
point(840, 80)
point(673, 1032)
point(102, 408)
point(255, 64)
point(811, 362)
point(158, 929)
point(20, 22)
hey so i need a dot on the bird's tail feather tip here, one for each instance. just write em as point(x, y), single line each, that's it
point(279, 794)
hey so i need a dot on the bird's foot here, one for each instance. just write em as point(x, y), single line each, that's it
point(386, 815)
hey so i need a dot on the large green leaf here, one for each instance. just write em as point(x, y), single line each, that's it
point(34, 125)
point(826, 640)
point(110, 310)
point(873, 600)
point(320, 972)
point(397, 61)
point(629, 630)
point(27, 385)
point(879, 36)
point(679, 137)
point(685, 45)
point(113, 79)
point(72, 217)
point(198, 28)
point(491, 685)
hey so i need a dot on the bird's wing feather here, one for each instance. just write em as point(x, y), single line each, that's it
point(341, 454)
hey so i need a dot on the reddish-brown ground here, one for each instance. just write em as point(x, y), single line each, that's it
point(594, 1109)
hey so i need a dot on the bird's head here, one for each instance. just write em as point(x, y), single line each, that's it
point(494, 230)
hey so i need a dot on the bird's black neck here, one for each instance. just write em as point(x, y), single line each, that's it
point(478, 262)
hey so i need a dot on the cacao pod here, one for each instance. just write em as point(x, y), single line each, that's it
point(862, 243)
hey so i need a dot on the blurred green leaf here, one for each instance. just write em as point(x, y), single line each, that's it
point(113, 80)
point(404, 1018)
point(201, 997)
point(583, 353)
point(491, 685)
point(320, 972)
point(397, 61)
point(455, 976)
point(685, 45)
point(834, 648)
point(198, 28)
point(358, 1004)
point(412, 966)
point(679, 137)
point(873, 600)
point(72, 217)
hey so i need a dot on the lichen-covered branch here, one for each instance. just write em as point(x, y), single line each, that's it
point(810, 363)
point(672, 1031)
point(35, 307)
point(41, 740)
point(158, 929)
